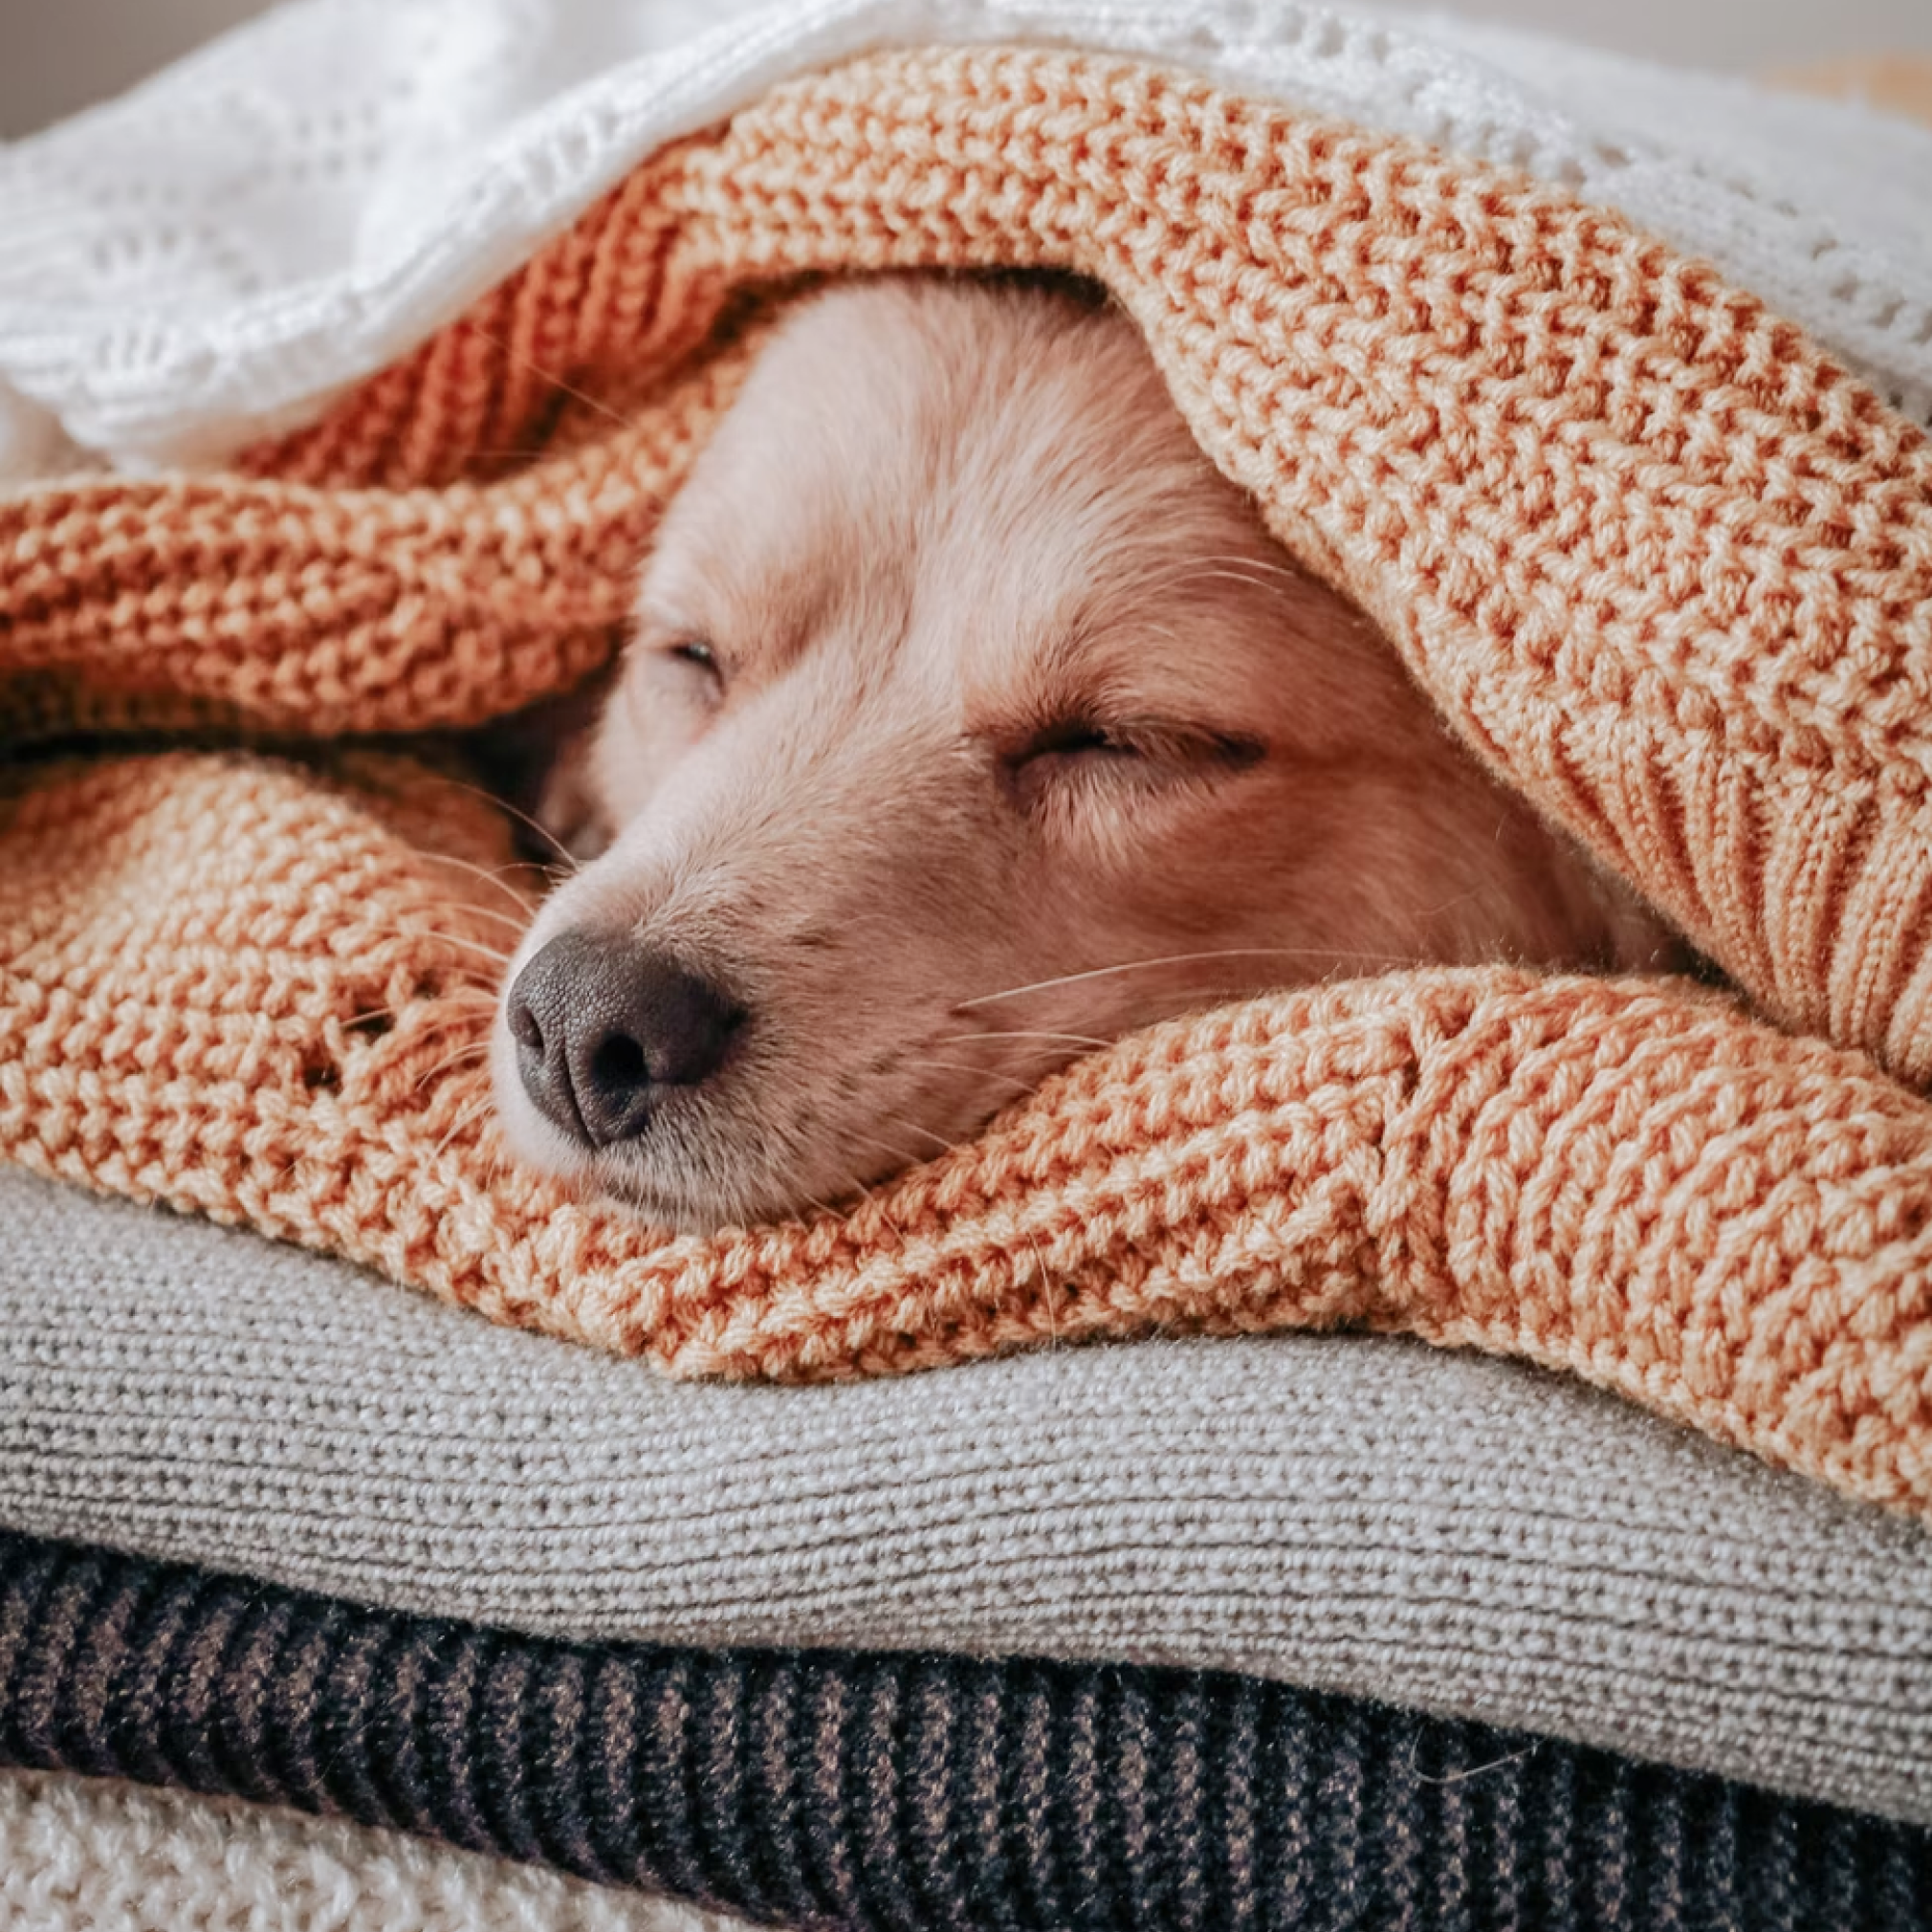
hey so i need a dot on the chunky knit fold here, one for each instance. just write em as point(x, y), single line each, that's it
point(1667, 568)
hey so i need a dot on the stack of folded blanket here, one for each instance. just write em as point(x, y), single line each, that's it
point(1198, 1624)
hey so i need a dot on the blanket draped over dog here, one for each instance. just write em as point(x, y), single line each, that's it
point(1663, 565)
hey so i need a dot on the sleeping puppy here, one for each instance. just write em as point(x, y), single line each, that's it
point(973, 720)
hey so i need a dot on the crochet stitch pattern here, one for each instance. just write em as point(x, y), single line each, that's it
point(1664, 567)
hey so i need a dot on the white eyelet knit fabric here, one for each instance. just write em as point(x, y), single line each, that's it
point(215, 254)
point(94, 1855)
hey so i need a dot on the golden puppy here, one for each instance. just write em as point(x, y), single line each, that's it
point(972, 719)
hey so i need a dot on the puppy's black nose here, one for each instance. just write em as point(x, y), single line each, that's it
point(603, 1026)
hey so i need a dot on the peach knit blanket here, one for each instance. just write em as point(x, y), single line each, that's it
point(1662, 565)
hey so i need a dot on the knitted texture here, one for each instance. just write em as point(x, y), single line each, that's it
point(904, 1793)
point(215, 256)
point(1439, 1530)
point(87, 1855)
point(1666, 567)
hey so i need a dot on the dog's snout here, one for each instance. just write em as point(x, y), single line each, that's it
point(605, 1027)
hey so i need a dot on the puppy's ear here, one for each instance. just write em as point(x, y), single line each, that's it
point(536, 761)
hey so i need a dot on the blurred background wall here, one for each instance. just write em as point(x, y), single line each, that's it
point(57, 56)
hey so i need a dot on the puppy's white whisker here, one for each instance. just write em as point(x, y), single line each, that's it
point(1284, 573)
point(1011, 1080)
point(843, 1216)
point(1045, 1281)
point(441, 938)
point(1067, 1039)
point(1247, 579)
point(489, 912)
point(939, 1140)
point(466, 1119)
point(484, 1001)
point(459, 992)
point(550, 376)
point(503, 804)
point(877, 1206)
point(476, 1050)
point(898, 1153)
point(492, 876)
point(1252, 571)
point(1331, 953)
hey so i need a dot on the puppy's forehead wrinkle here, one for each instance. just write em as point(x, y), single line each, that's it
point(986, 487)
point(765, 588)
point(948, 448)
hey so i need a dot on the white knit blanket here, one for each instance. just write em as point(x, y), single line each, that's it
point(215, 254)
point(94, 1855)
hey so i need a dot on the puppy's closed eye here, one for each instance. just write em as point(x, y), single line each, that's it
point(697, 652)
point(677, 672)
point(1079, 750)
point(695, 662)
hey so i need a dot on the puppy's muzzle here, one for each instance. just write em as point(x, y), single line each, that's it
point(605, 1030)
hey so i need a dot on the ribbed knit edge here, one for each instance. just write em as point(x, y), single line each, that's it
point(904, 1791)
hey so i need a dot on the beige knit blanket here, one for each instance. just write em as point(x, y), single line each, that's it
point(1662, 565)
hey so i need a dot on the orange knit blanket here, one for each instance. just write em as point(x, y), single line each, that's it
point(1664, 567)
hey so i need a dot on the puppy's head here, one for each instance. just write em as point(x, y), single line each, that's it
point(971, 718)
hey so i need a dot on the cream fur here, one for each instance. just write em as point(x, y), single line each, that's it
point(1017, 732)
